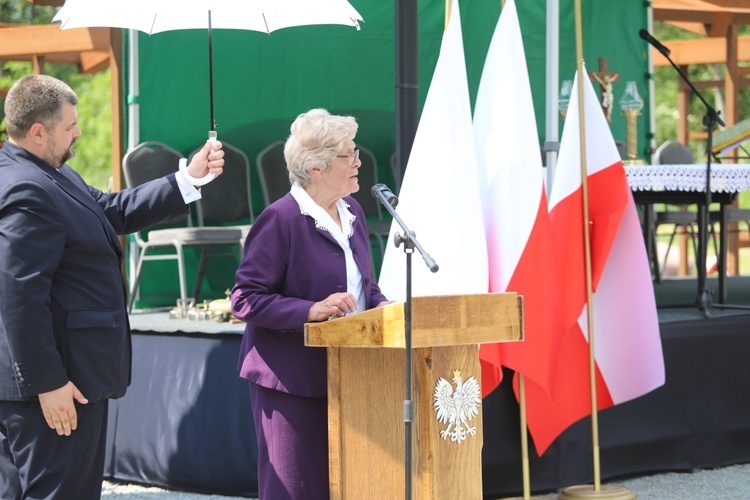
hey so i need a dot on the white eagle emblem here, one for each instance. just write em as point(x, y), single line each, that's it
point(458, 407)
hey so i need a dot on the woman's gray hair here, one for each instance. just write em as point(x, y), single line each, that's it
point(316, 138)
point(36, 99)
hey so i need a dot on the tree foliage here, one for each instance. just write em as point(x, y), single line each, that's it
point(667, 82)
point(94, 152)
point(93, 158)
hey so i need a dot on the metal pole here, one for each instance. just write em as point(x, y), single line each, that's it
point(407, 81)
point(211, 74)
point(408, 401)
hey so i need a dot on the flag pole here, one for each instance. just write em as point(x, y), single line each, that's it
point(524, 438)
point(587, 245)
point(587, 490)
point(524, 444)
point(525, 469)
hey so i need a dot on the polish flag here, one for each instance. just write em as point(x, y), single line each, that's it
point(439, 198)
point(517, 225)
point(627, 347)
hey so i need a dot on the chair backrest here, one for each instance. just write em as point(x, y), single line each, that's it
point(673, 153)
point(148, 161)
point(271, 167)
point(367, 177)
point(227, 198)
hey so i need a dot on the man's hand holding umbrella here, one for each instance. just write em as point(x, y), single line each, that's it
point(205, 165)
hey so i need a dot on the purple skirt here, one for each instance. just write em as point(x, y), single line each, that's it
point(292, 434)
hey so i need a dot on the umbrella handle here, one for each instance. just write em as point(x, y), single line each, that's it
point(212, 136)
point(194, 180)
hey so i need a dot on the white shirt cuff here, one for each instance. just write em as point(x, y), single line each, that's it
point(189, 192)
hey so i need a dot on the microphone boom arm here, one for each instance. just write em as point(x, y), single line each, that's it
point(409, 238)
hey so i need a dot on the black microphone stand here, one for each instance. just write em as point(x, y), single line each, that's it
point(710, 120)
point(410, 242)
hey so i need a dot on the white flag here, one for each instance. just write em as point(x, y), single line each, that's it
point(440, 199)
point(519, 235)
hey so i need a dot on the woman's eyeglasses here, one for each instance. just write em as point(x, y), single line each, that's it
point(352, 157)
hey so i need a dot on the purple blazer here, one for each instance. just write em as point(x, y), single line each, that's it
point(289, 265)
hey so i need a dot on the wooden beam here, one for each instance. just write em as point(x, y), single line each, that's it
point(37, 63)
point(702, 51)
point(93, 62)
point(731, 77)
point(720, 23)
point(47, 39)
point(697, 28)
point(697, 11)
point(116, 69)
point(708, 84)
point(683, 108)
point(729, 4)
point(731, 100)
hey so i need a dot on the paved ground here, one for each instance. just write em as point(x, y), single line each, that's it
point(122, 491)
point(727, 483)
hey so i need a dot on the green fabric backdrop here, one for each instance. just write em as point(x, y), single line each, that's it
point(262, 81)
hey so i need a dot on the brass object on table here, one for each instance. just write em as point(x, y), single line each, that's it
point(221, 309)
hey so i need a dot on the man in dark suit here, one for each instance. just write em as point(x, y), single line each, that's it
point(64, 333)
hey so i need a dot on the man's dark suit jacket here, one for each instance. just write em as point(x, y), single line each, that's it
point(62, 294)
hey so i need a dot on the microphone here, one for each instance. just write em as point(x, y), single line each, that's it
point(384, 194)
point(653, 41)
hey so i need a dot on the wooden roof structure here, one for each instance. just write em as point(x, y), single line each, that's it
point(91, 49)
point(98, 48)
point(718, 21)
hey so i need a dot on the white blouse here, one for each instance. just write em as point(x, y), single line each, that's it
point(341, 234)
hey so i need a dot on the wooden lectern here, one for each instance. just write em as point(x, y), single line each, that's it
point(366, 392)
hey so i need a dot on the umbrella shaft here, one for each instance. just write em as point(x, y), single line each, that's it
point(211, 73)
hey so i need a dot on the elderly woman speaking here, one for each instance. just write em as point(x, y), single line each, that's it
point(307, 258)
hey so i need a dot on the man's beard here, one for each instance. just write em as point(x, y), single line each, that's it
point(56, 160)
point(67, 155)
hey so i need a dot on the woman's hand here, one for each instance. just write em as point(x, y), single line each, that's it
point(334, 306)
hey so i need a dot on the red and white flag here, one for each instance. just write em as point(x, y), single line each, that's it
point(519, 238)
point(439, 198)
point(627, 347)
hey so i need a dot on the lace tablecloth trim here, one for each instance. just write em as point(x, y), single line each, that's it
point(724, 178)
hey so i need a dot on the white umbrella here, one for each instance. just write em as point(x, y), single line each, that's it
point(156, 16)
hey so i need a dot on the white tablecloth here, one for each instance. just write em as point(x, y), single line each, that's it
point(725, 178)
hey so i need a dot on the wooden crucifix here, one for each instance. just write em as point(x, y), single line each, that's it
point(605, 79)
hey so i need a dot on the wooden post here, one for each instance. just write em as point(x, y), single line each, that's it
point(731, 97)
point(683, 110)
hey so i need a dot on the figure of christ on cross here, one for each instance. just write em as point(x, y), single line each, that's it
point(605, 79)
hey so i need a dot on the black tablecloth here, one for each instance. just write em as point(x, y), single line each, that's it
point(186, 424)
